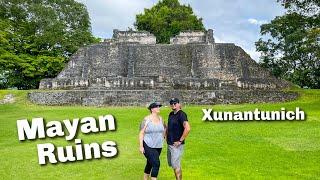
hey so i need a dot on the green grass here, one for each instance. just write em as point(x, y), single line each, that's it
point(214, 150)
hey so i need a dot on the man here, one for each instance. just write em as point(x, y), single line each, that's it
point(177, 131)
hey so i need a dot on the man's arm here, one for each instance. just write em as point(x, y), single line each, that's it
point(186, 130)
point(185, 133)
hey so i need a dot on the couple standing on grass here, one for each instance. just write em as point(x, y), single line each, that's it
point(153, 130)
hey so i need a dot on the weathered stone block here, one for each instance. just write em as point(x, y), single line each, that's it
point(131, 69)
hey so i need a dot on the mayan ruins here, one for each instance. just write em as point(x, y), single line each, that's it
point(132, 69)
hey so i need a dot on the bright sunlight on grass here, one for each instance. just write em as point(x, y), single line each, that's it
point(214, 150)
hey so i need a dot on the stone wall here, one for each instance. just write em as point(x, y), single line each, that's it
point(141, 37)
point(225, 62)
point(144, 97)
point(139, 83)
point(189, 37)
point(192, 66)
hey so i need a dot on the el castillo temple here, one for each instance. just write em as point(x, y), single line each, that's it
point(132, 69)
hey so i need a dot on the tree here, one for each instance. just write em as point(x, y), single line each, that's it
point(166, 19)
point(37, 37)
point(293, 52)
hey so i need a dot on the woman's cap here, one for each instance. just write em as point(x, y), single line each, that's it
point(154, 105)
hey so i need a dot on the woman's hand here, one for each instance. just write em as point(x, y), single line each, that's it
point(141, 149)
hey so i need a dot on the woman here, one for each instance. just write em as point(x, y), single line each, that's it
point(152, 133)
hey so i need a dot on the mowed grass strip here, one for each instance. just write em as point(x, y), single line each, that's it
point(214, 150)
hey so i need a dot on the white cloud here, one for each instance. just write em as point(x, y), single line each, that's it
point(233, 21)
point(257, 22)
point(253, 54)
point(218, 40)
point(107, 15)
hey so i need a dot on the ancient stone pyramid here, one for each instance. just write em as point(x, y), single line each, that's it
point(131, 69)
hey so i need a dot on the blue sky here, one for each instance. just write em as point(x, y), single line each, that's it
point(233, 21)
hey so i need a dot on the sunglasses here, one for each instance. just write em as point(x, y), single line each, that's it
point(173, 103)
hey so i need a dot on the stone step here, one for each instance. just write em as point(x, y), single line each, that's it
point(140, 97)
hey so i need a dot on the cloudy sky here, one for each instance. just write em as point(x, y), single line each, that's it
point(233, 21)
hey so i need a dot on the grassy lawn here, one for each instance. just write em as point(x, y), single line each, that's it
point(214, 150)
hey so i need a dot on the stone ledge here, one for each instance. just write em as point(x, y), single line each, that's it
point(143, 97)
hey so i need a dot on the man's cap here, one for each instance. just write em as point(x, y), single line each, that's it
point(174, 101)
point(154, 105)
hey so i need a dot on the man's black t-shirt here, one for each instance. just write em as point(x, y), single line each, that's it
point(175, 126)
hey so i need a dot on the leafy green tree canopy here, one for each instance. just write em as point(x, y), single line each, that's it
point(292, 48)
point(167, 18)
point(37, 37)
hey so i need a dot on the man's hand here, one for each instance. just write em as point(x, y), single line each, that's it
point(177, 143)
